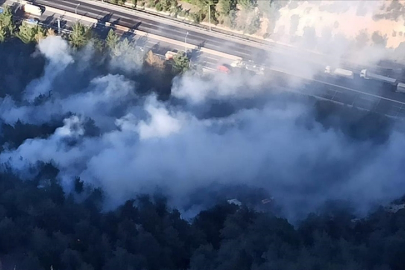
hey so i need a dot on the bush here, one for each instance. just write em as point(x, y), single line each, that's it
point(159, 7)
point(151, 3)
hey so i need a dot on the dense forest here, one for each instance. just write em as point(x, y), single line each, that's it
point(43, 228)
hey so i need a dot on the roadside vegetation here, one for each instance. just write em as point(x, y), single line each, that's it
point(82, 36)
point(241, 15)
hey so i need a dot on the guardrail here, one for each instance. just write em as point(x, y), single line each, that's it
point(241, 37)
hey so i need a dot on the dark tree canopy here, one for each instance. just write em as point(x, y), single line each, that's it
point(41, 226)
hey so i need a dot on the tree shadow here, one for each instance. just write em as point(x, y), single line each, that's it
point(105, 19)
point(49, 20)
point(115, 22)
point(194, 55)
point(128, 35)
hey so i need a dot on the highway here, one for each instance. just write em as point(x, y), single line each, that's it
point(260, 53)
point(206, 60)
point(134, 21)
point(358, 92)
point(166, 27)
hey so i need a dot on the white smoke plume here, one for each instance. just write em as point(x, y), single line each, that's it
point(56, 50)
point(337, 32)
point(146, 144)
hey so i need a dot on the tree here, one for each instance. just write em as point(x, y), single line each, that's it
point(112, 39)
point(80, 35)
point(6, 24)
point(154, 60)
point(225, 6)
point(247, 5)
point(181, 63)
point(50, 32)
point(29, 33)
point(40, 33)
point(26, 33)
point(254, 25)
point(362, 39)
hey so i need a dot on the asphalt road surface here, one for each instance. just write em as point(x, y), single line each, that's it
point(368, 95)
point(167, 28)
point(178, 33)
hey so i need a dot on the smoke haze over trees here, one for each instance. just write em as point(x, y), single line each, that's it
point(85, 136)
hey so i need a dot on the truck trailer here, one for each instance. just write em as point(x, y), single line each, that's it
point(339, 72)
point(33, 9)
point(169, 55)
point(369, 75)
point(401, 87)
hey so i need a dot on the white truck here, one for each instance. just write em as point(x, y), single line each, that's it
point(339, 72)
point(169, 55)
point(33, 9)
point(401, 87)
point(369, 75)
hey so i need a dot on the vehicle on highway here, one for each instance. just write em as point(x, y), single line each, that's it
point(369, 75)
point(339, 72)
point(33, 9)
point(224, 68)
point(238, 63)
point(169, 55)
point(32, 21)
point(252, 66)
point(248, 65)
point(401, 88)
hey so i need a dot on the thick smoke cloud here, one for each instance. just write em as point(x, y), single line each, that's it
point(145, 144)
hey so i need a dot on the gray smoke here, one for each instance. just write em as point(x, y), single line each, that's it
point(145, 144)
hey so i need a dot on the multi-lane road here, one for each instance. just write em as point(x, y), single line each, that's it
point(166, 27)
point(178, 32)
point(364, 94)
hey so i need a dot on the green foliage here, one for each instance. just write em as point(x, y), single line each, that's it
point(181, 63)
point(247, 5)
point(7, 27)
point(112, 39)
point(31, 33)
point(254, 25)
point(159, 7)
point(226, 6)
point(151, 3)
point(80, 35)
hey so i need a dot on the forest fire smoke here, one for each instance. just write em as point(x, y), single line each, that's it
point(143, 144)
